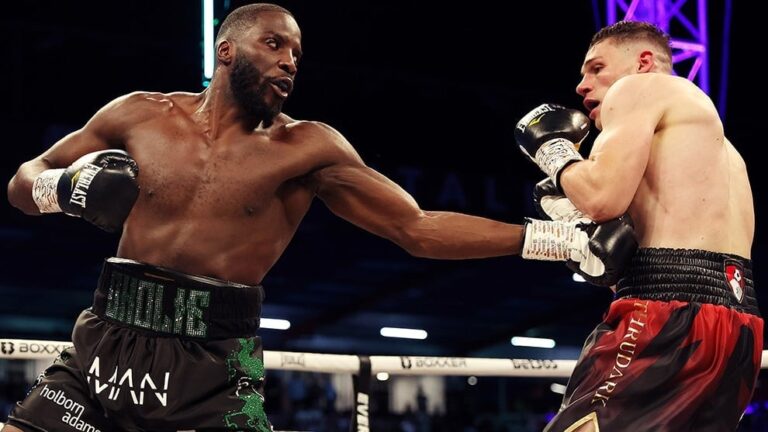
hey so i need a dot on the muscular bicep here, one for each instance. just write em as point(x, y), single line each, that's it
point(72, 146)
point(367, 199)
point(371, 201)
point(358, 193)
point(103, 131)
point(603, 186)
point(623, 156)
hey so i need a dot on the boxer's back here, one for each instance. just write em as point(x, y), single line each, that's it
point(695, 193)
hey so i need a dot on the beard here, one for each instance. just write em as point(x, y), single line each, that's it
point(250, 91)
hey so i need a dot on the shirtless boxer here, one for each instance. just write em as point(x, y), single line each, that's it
point(680, 347)
point(220, 181)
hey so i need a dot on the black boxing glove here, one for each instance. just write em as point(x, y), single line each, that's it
point(551, 204)
point(598, 252)
point(100, 187)
point(550, 135)
point(614, 242)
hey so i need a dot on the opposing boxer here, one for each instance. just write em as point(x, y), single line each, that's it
point(680, 347)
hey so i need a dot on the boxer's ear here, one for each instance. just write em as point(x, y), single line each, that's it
point(646, 61)
point(225, 52)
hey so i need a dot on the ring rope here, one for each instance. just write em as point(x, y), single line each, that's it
point(345, 363)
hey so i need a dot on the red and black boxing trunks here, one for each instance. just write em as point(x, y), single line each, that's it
point(679, 349)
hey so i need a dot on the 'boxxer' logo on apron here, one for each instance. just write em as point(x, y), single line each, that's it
point(734, 275)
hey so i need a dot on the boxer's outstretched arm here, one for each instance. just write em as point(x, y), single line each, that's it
point(100, 133)
point(371, 201)
point(604, 185)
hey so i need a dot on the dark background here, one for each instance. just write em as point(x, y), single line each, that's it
point(427, 93)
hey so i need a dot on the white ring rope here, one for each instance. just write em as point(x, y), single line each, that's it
point(418, 365)
point(337, 363)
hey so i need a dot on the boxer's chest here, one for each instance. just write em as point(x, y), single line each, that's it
point(180, 167)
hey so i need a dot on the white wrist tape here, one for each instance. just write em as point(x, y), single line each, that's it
point(548, 240)
point(44, 191)
point(554, 154)
point(560, 208)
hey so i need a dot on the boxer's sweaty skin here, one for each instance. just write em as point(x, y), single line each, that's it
point(224, 185)
point(662, 156)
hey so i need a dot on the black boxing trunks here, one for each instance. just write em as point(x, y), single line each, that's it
point(158, 351)
point(678, 350)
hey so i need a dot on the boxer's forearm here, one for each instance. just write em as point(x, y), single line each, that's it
point(597, 191)
point(604, 185)
point(20, 186)
point(446, 235)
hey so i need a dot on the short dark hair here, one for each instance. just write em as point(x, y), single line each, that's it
point(242, 18)
point(630, 31)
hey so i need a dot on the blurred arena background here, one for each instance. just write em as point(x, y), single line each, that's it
point(429, 95)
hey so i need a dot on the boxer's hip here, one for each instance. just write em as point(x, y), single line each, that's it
point(690, 275)
point(164, 302)
point(160, 348)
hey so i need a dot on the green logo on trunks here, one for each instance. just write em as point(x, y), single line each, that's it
point(248, 373)
point(140, 303)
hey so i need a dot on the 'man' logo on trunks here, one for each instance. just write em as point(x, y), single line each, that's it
point(734, 275)
point(125, 381)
